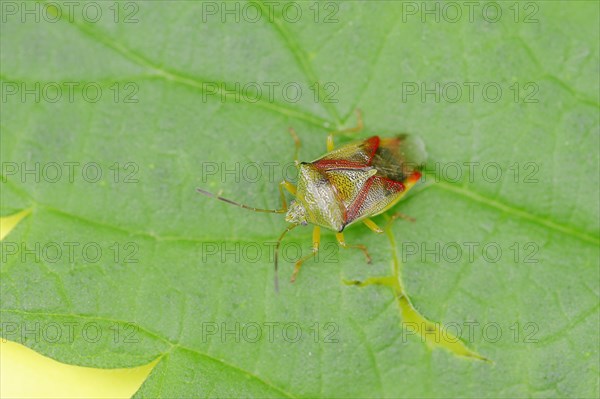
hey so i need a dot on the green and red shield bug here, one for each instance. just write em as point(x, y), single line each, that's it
point(347, 185)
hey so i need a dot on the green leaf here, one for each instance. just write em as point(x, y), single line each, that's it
point(168, 116)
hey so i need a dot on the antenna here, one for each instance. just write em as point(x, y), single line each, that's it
point(290, 227)
point(251, 208)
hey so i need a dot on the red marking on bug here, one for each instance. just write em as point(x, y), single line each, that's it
point(393, 185)
point(372, 142)
point(414, 177)
point(329, 164)
point(360, 199)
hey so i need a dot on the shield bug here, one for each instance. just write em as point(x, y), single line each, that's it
point(345, 186)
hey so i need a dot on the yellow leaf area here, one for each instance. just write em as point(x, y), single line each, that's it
point(7, 223)
point(434, 334)
point(27, 374)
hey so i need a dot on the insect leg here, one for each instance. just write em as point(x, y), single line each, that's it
point(359, 126)
point(371, 224)
point(316, 241)
point(288, 186)
point(399, 215)
point(342, 241)
point(330, 145)
point(297, 143)
point(276, 277)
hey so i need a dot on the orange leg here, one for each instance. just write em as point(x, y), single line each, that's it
point(316, 241)
point(359, 126)
point(342, 241)
point(399, 215)
point(371, 225)
point(289, 187)
point(297, 143)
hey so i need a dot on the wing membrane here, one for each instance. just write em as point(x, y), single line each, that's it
point(398, 161)
point(397, 158)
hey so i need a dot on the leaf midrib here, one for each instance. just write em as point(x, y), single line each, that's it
point(471, 195)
